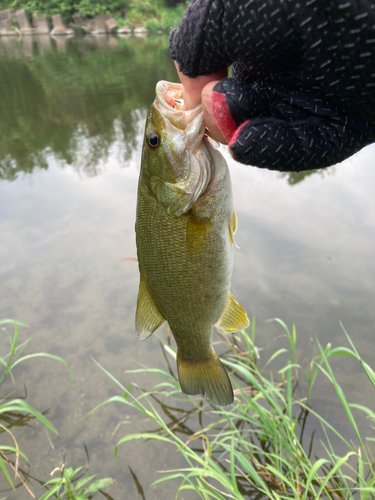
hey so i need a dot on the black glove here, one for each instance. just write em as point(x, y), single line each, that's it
point(302, 94)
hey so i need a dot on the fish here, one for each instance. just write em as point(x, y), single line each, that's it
point(185, 227)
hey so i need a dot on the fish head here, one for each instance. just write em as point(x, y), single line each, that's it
point(175, 158)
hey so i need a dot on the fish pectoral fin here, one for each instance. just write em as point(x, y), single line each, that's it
point(234, 317)
point(197, 232)
point(232, 227)
point(147, 317)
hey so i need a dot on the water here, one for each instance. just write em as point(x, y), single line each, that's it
point(72, 113)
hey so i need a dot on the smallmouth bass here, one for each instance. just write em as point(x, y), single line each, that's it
point(184, 231)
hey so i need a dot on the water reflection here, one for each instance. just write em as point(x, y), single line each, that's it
point(296, 177)
point(306, 252)
point(77, 97)
point(67, 98)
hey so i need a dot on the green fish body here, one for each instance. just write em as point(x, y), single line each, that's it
point(184, 231)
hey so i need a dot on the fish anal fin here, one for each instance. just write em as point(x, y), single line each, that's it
point(234, 316)
point(232, 227)
point(208, 378)
point(147, 317)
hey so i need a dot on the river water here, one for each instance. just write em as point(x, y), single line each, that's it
point(72, 113)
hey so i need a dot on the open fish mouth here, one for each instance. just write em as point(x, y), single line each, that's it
point(183, 149)
point(169, 103)
point(170, 95)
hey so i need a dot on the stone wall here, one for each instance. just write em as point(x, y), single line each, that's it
point(59, 27)
point(22, 25)
point(16, 23)
point(5, 23)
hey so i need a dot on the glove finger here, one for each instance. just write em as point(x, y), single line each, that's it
point(285, 130)
point(239, 102)
point(233, 103)
point(291, 147)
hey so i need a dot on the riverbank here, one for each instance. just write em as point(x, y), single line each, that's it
point(139, 18)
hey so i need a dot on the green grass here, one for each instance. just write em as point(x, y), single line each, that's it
point(12, 409)
point(166, 20)
point(256, 448)
point(71, 485)
point(152, 15)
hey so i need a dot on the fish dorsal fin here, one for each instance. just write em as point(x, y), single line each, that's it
point(232, 226)
point(234, 317)
point(147, 317)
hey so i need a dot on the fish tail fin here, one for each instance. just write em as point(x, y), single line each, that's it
point(208, 378)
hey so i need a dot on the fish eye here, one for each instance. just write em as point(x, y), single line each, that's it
point(153, 139)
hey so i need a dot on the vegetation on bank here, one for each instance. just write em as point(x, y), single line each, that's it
point(259, 447)
point(153, 14)
point(153, 17)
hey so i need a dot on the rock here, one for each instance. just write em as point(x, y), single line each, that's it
point(124, 30)
point(79, 19)
point(85, 23)
point(28, 31)
point(6, 28)
point(111, 24)
point(59, 28)
point(141, 31)
point(57, 20)
point(100, 27)
point(41, 25)
point(24, 22)
point(6, 15)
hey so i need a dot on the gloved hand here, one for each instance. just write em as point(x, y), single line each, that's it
point(302, 92)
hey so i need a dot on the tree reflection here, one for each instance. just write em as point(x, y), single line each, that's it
point(296, 177)
point(76, 99)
